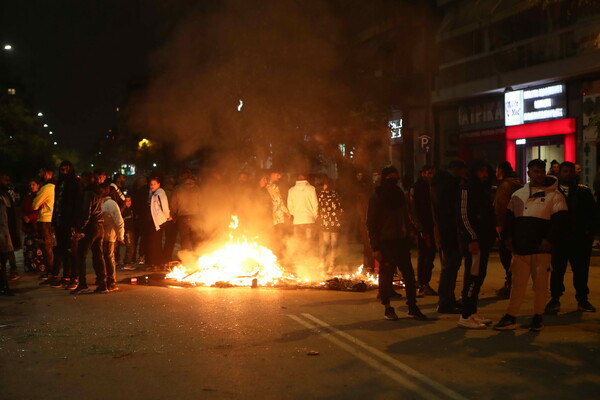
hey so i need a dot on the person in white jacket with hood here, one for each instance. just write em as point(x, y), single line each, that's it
point(159, 209)
point(114, 234)
point(303, 205)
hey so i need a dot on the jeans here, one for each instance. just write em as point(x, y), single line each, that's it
point(108, 252)
point(475, 272)
point(451, 257)
point(45, 229)
point(130, 242)
point(170, 230)
point(426, 258)
point(396, 255)
point(66, 253)
point(154, 253)
point(329, 242)
point(578, 253)
point(91, 241)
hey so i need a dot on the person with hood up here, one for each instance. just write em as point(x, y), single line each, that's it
point(389, 226)
point(478, 233)
point(508, 183)
point(533, 225)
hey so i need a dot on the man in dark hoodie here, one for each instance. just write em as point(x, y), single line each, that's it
point(576, 246)
point(422, 219)
point(534, 224)
point(67, 204)
point(389, 233)
point(508, 183)
point(445, 193)
point(478, 233)
point(89, 228)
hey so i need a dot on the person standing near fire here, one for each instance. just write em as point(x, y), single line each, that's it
point(389, 226)
point(422, 219)
point(304, 207)
point(161, 214)
point(330, 213)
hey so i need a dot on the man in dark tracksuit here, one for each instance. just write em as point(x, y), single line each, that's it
point(91, 231)
point(445, 193)
point(422, 219)
point(576, 246)
point(389, 233)
point(478, 233)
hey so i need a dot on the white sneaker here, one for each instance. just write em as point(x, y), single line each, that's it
point(470, 323)
point(481, 320)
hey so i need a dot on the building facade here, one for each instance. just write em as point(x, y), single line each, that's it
point(517, 80)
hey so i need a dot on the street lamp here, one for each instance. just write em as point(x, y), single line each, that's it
point(40, 114)
point(45, 125)
point(7, 47)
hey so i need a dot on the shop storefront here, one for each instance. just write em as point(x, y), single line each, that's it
point(537, 126)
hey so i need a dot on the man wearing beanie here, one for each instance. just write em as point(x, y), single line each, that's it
point(388, 225)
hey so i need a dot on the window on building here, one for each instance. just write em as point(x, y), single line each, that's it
point(12, 91)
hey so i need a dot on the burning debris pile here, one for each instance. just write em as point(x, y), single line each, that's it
point(244, 263)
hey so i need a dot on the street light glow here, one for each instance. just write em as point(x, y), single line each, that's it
point(45, 125)
point(7, 47)
point(40, 114)
point(55, 143)
point(50, 132)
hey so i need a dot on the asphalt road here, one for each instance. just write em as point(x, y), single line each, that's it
point(147, 342)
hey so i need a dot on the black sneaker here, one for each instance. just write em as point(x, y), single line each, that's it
point(51, 280)
point(390, 314)
point(585, 306)
point(72, 285)
point(553, 307)
point(448, 310)
point(507, 323)
point(101, 289)
point(503, 292)
point(427, 290)
point(80, 290)
point(6, 292)
point(60, 283)
point(416, 313)
point(537, 323)
point(113, 288)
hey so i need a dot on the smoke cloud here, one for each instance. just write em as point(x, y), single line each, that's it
point(281, 58)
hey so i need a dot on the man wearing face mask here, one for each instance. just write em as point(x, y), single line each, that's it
point(389, 227)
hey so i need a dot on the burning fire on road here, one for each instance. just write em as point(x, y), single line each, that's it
point(241, 262)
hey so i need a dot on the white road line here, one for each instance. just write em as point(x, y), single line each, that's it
point(378, 365)
point(401, 366)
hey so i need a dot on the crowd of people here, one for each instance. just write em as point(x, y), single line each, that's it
point(459, 213)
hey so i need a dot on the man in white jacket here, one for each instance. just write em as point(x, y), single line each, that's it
point(303, 205)
point(114, 234)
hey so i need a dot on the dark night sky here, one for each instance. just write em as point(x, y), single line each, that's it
point(77, 58)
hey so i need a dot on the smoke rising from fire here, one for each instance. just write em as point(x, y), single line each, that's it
point(280, 57)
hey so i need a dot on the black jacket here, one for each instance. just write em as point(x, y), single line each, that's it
point(420, 206)
point(67, 201)
point(91, 210)
point(477, 217)
point(445, 193)
point(387, 216)
point(583, 218)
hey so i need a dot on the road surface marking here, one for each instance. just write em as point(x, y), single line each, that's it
point(373, 362)
point(386, 357)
